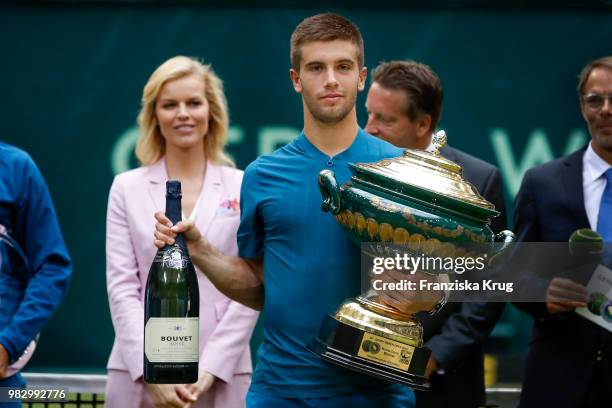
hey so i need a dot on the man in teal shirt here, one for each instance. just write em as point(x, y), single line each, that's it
point(308, 264)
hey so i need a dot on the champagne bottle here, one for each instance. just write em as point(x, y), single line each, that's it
point(172, 305)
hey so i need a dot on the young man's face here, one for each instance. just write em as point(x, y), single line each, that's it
point(329, 79)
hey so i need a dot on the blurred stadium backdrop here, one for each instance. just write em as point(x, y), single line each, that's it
point(72, 73)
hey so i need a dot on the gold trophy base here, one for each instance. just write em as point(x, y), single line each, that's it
point(362, 336)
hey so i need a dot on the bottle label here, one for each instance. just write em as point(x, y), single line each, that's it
point(172, 339)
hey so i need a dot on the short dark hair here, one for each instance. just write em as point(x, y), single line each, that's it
point(325, 27)
point(421, 85)
point(605, 62)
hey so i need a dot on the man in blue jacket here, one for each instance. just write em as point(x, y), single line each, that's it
point(569, 363)
point(34, 264)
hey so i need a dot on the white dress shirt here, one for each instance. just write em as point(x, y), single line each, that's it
point(593, 183)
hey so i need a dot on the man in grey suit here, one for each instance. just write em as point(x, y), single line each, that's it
point(404, 104)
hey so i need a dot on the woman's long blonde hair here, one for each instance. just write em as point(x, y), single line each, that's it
point(151, 145)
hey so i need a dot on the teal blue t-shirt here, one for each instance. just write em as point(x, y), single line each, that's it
point(310, 265)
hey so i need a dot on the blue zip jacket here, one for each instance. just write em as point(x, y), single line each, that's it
point(29, 296)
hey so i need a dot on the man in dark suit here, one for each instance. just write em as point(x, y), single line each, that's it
point(404, 104)
point(569, 363)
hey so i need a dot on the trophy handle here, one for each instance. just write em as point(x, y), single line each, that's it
point(506, 237)
point(330, 192)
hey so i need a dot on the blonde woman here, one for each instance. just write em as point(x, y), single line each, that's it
point(183, 123)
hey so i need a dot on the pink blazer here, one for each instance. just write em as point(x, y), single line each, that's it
point(225, 326)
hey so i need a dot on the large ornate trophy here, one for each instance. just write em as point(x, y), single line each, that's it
point(419, 202)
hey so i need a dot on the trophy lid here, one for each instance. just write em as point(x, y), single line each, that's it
point(430, 173)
